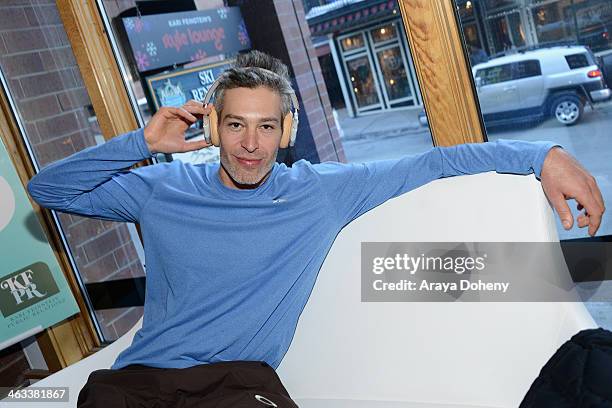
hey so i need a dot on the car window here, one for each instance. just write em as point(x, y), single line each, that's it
point(527, 69)
point(576, 61)
point(494, 75)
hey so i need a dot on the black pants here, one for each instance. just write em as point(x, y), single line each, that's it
point(234, 384)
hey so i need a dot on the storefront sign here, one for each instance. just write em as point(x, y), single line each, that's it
point(177, 87)
point(163, 40)
point(33, 291)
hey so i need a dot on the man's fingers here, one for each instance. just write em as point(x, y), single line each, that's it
point(594, 221)
point(560, 205)
point(184, 114)
point(597, 193)
point(197, 108)
point(583, 220)
point(200, 144)
point(195, 145)
point(594, 210)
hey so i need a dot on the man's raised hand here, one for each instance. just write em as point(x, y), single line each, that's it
point(165, 132)
point(564, 178)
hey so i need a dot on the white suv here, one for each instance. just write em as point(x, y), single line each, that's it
point(533, 85)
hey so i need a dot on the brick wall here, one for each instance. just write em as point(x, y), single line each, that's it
point(54, 107)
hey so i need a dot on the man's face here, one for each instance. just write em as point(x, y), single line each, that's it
point(249, 136)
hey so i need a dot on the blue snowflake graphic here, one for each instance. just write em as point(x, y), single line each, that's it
point(151, 49)
point(129, 24)
point(222, 12)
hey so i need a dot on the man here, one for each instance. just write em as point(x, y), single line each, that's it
point(233, 249)
point(477, 55)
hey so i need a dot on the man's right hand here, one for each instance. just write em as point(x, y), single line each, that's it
point(165, 132)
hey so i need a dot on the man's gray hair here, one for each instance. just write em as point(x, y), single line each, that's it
point(246, 73)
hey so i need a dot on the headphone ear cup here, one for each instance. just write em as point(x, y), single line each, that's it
point(212, 121)
point(287, 125)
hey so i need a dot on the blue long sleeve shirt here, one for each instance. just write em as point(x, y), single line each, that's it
point(229, 271)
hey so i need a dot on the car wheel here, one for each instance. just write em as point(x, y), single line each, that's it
point(567, 109)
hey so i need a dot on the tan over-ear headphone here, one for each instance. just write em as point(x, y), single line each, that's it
point(290, 122)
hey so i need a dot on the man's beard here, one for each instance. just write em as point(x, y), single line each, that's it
point(244, 177)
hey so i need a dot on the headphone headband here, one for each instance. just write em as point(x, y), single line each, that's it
point(213, 88)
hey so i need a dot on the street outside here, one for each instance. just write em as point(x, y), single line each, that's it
point(589, 141)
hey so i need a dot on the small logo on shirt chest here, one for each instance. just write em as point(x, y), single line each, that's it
point(279, 200)
point(265, 400)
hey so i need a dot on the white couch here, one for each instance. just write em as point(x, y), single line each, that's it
point(348, 353)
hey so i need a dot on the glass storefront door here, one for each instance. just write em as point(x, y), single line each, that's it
point(392, 65)
point(363, 83)
point(393, 70)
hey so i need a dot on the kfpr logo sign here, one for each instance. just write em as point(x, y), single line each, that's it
point(22, 286)
point(25, 288)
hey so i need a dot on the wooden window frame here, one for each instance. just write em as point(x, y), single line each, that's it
point(443, 70)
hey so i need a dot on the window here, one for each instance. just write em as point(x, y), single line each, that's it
point(500, 106)
point(353, 42)
point(384, 33)
point(527, 69)
point(495, 75)
point(593, 21)
point(576, 61)
point(55, 110)
point(524, 110)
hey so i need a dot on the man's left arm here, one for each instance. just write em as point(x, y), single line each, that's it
point(355, 188)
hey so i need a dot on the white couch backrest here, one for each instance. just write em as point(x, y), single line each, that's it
point(483, 354)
